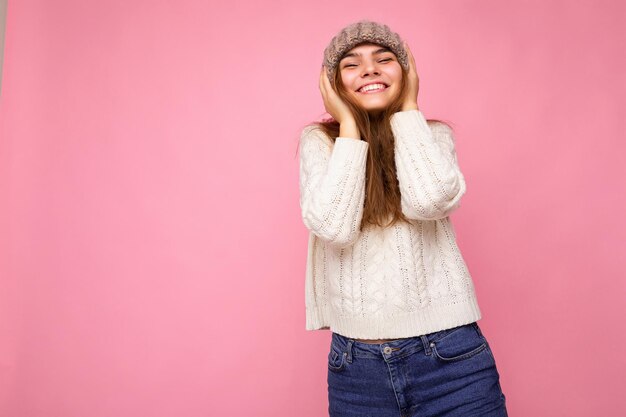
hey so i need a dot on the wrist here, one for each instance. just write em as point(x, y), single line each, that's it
point(349, 121)
point(349, 129)
point(410, 106)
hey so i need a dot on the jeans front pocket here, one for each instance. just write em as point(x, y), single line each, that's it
point(462, 343)
point(336, 359)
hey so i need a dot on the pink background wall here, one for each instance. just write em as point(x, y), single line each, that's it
point(151, 248)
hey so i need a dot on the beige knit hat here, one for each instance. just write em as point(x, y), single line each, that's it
point(360, 32)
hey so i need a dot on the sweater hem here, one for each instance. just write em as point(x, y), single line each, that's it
point(427, 320)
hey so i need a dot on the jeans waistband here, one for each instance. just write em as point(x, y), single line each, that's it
point(394, 347)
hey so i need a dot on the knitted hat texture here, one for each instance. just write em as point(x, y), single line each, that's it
point(361, 32)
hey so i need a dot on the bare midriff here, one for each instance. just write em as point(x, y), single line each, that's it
point(370, 341)
point(375, 341)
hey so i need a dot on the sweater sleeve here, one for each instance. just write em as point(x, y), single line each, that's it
point(332, 185)
point(431, 182)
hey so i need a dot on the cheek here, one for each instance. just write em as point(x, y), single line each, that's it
point(395, 90)
point(348, 81)
point(396, 75)
point(393, 71)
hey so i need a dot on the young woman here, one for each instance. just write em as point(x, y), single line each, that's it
point(378, 183)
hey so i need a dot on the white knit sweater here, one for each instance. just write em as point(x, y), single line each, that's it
point(400, 281)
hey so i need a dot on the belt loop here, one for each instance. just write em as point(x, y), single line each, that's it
point(475, 325)
point(349, 350)
point(426, 344)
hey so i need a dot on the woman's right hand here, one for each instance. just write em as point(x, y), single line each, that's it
point(334, 105)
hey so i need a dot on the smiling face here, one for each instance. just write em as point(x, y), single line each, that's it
point(373, 65)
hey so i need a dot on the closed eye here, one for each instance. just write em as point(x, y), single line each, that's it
point(382, 60)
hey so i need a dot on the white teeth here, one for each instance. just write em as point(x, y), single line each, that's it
point(372, 87)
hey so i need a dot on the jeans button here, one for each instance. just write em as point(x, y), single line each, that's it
point(387, 350)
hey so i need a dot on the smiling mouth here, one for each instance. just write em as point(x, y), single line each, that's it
point(378, 89)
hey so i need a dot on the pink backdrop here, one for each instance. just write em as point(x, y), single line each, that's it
point(152, 252)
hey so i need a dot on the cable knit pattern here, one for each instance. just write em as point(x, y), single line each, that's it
point(431, 183)
point(401, 281)
point(333, 185)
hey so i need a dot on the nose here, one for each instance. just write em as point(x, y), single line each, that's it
point(370, 68)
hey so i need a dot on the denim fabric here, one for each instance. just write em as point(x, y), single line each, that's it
point(447, 373)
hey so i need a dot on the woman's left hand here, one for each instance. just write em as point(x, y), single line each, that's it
point(410, 100)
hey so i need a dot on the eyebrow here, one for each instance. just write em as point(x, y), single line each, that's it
point(356, 54)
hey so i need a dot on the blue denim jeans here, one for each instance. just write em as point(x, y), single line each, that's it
point(447, 373)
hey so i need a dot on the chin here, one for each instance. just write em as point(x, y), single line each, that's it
point(376, 108)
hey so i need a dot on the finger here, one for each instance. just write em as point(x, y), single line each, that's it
point(322, 86)
point(326, 80)
point(409, 53)
point(324, 76)
point(408, 49)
